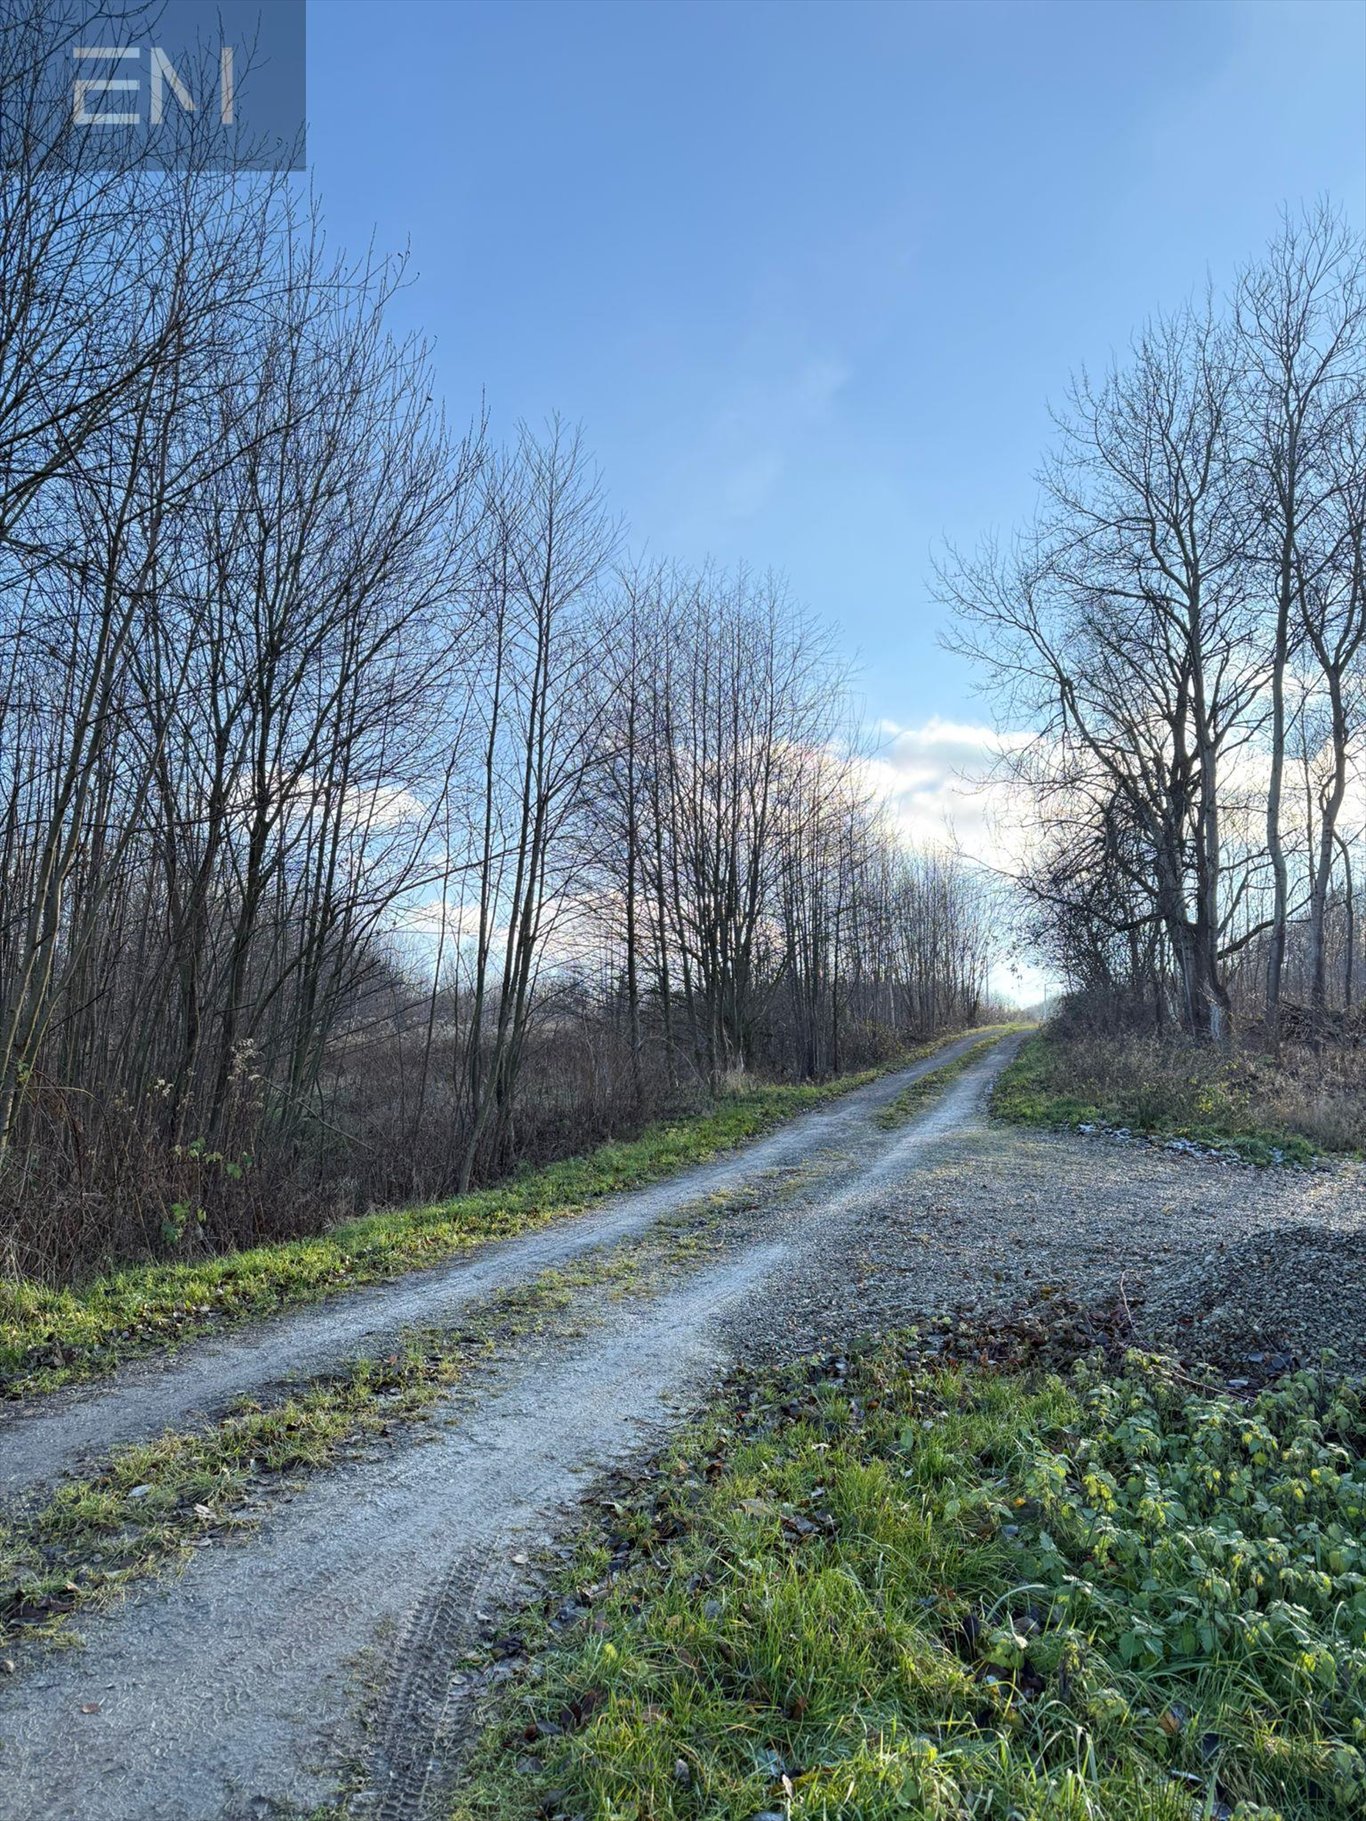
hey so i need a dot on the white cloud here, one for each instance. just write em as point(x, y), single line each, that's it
point(946, 787)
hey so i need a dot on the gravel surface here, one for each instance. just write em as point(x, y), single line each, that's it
point(233, 1691)
point(1212, 1258)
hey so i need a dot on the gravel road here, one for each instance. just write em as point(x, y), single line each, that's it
point(42, 1440)
point(238, 1689)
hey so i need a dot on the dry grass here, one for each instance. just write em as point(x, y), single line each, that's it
point(1299, 1104)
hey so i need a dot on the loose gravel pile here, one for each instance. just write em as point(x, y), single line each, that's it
point(1280, 1298)
point(1209, 1258)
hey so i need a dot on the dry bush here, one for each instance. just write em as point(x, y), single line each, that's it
point(1169, 1082)
point(1318, 1092)
point(99, 1183)
point(96, 1183)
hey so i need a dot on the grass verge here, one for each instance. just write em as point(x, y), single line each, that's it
point(1230, 1104)
point(914, 1099)
point(50, 1337)
point(905, 1584)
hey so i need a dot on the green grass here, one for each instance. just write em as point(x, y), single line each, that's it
point(155, 1501)
point(1163, 1092)
point(939, 1590)
point(50, 1336)
point(914, 1099)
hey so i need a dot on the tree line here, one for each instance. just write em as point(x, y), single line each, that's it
point(370, 820)
point(1181, 631)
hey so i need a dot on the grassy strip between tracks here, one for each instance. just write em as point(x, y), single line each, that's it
point(50, 1337)
point(1216, 1102)
point(159, 1500)
point(909, 1583)
point(913, 1100)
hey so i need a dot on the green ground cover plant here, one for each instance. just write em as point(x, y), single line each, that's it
point(1236, 1102)
point(51, 1336)
point(895, 1585)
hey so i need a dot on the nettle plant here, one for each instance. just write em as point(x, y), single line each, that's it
point(205, 1169)
point(1196, 1544)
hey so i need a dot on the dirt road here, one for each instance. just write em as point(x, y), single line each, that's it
point(40, 1442)
point(241, 1688)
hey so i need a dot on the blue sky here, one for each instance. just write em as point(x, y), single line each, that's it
point(810, 274)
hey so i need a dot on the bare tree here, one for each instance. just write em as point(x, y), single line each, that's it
point(1185, 616)
point(549, 541)
point(1299, 317)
